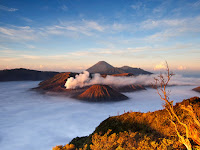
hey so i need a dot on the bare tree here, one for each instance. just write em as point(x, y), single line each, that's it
point(161, 83)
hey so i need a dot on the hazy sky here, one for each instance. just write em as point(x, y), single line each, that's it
point(72, 35)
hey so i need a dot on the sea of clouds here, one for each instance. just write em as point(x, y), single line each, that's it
point(83, 79)
point(33, 121)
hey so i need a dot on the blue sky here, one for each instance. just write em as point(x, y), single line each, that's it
point(72, 35)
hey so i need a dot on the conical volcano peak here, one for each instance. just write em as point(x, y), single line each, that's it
point(100, 67)
point(103, 67)
point(104, 63)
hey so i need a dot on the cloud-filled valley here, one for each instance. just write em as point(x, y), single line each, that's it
point(30, 120)
point(84, 79)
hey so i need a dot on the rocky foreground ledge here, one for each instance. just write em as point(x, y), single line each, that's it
point(136, 130)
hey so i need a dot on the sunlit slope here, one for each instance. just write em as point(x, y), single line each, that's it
point(135, 130)
point(56, 83)
point(101, 93)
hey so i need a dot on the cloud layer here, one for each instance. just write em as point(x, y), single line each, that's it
point(36, 121)
point(84, 79)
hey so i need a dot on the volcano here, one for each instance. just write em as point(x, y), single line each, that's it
point(98, 93)
point(104, 68)
point(56, 83)
point(99, 67)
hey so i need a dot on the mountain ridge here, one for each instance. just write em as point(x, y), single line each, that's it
point(135, 71)
point(99, 67)
point(22, 74)
point(103, 67)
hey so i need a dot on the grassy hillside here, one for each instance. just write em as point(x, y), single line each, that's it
point(136, 130)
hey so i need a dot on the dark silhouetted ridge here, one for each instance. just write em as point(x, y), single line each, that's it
point(22, 74)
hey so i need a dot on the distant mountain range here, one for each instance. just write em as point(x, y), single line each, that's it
point(103, 67)
point(22, 74)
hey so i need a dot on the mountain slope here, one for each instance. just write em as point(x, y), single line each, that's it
point(56, 83)
point(100, 67)
point(113, 71)
point(128, 88)
point(22, 74)
point(123, 75)
point(103, 67)
point(136, 130)
point(135, 71)
point(101, 93)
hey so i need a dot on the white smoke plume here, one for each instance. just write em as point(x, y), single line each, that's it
point(83, 80)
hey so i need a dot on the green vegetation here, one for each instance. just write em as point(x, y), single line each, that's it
point(135, 130)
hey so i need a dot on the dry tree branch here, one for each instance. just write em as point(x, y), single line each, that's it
point(160, 85)
point(194, 130)
point(191, 112)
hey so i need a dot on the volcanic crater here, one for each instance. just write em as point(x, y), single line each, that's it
point(91, 93)
point(101, 93)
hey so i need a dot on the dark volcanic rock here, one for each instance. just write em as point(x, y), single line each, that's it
point(197, 89)
point(101, 93)
point(22, 74)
